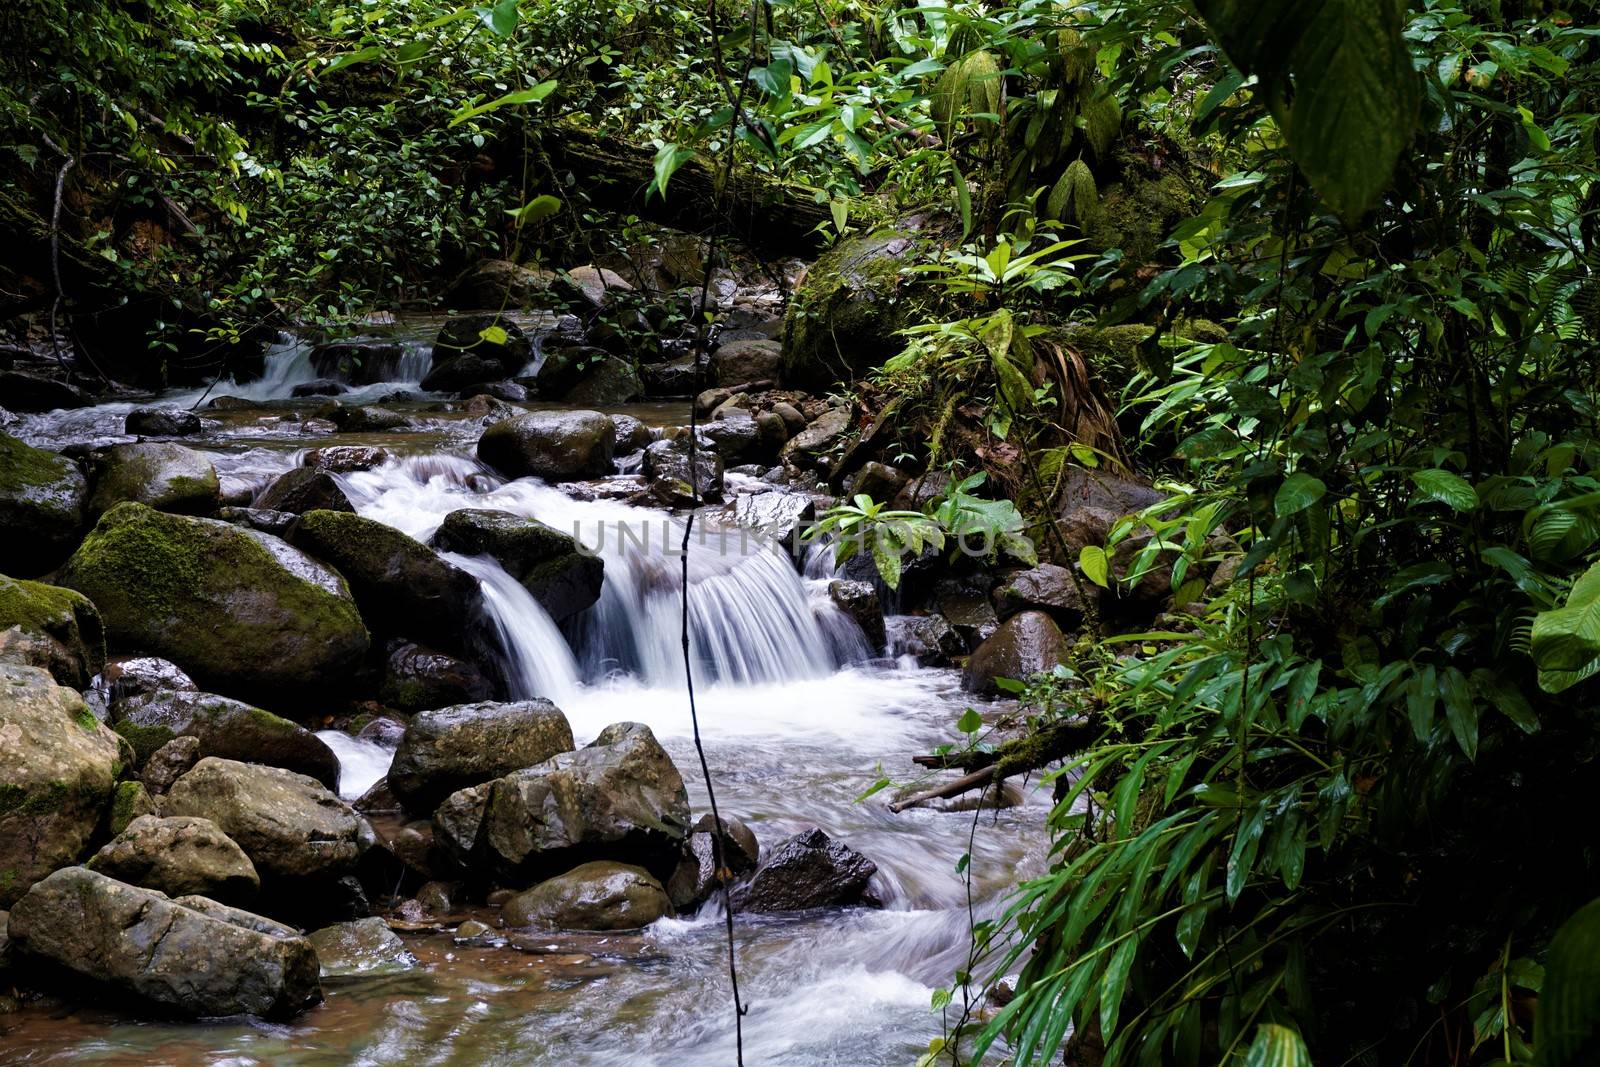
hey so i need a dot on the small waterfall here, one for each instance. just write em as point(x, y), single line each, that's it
point(361, 763)
point(754, 619)
point(538, 661)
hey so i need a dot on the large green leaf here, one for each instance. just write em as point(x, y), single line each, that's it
point(1298, 492)
point(1259, 35)
point(1566, 640)
point(1566, 1028)
point(1445, 488)
point(1356, 99)
point(1277, 1046)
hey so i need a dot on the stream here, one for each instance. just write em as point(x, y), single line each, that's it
point(797, 716)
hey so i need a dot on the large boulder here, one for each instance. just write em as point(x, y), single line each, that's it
point(368, 418)
point(592, 288)
point(53, 628)
point(550, 564)
point(476, 348)
point(417, 678)
point(189, 955)
point(454, 748)
point(401, 585)
point(358, 361)
point(42, 498)
point(601, 895)
point(743, 362)
point(557, 446)
point(179, 855)
point(1026, 644)
point(501, 283)
point(810, 446)
point(1048, 588)
point(160, 474)
point(161, 422)
point(613, 380)
point(241, 610)
point(295, 831)
point(618, 798)
point(808, 870)
point(845, 316)
point(667, 471)
point(301, 490)
point(696, 877)
point(57, 767)
point(223, 727)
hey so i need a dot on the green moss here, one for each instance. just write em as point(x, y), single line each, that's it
point(23, 801)
point(85, 718)
point(144, 739)
point(24, 467)
point(129, 801)
point(843, 319)
point(1137, 213)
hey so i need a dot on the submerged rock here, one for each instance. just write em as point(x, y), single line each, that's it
point(368, 418)
point(601, 895)
point(546, 561)
point(364, 948)
point(400, 584)
point(161, 422)
point(42, 498)
point(191, 955)
point(808, 870)
point(179, 855)
point(65, 635)
point(554, 445)
point(240, 610)
point(1026, 644)
point(344, 459)
point(618, 798)
point(160, 474)
point(57, 767)
point(292, 828)
point(301, 490)
point(454, 748)
point(223, 727)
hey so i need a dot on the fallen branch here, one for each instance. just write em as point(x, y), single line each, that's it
point(1017, 756)
point(974, 780)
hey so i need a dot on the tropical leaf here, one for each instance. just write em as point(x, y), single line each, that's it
point(1567, 1025)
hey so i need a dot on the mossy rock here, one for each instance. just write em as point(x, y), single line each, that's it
point(548, 562)
point(845, 316)
point(59, 629)
point(230, 729)
point(42, 498)
point(402, 586)
point(1138, 212)
point(57, 769)
point(129, 800)
point(160, 474)
point(241, 611)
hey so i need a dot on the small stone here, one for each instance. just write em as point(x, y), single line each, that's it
point(364, 948)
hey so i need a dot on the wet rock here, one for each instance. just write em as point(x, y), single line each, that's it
point(793, 420)
point(632, 435)
point(367, 418)
point(922, 490)
point(378, 798)
point(455, 748)
point(465, 373)
point(276, 523)
point(417, 678)
point(859, 600)
point(965, 603)
point(230, 403)
point(771, 434)
point(161, 422)
point(776, 514)
point(930, 638)
point(667, 472)
point(618, 798)
point(358, 362)
point(507, 392)
point(318, 387)
point(878, 480)
point(696, 876)
point(679, 377)
point(601, 895)
point(738, 362)
point(553, 445)
point(344, 459)
point(242, 611)
point(845, 316)
point(501, 283)
point(384, 731)
point(807, 448)
point(1026, 644)
point(169, 763)
point(613, 380)
point(65, 636)
point(472, 930)
point(57, 767)
point(159, 474)
point(479, 337)
point(35, 392)
point(808, 870)
point(593, 287)
point(189, 955)
point(131, 677)
point(178, 856)
point(295, 831)
point(42, 500)
point(733, 436)
point(1046, 587)
point(564, 366)
point(548, 562)
point(1093, 499)
point(436, 898)
point(301, 490)
point(223, 727)
point(364, 948)
point(129, 801)
point(400, 584)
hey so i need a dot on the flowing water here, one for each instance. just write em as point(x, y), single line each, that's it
point(797, 713)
